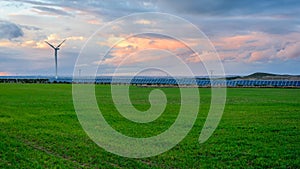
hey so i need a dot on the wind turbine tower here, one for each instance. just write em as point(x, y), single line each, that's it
point(55, 54)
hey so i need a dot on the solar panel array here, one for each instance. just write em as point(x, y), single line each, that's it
point(156, 81)
point(198, 82)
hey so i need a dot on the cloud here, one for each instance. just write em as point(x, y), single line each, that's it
point(94, 22)
point(223, 17)
point(7, 43)
point(107, 9)
point(117, 8)
point(143, 22)
point(232, 8)
point(50, 11)
point(53, 39)
point(262, 55)
point(258, 47)
point(40, 44)
point(133, 58)
point(203, 56)
point(244, 32)
point(4, 74)
point(213, 17)
point(31, 28)
point(9, 30)
point(128, 47)
point(290, 50)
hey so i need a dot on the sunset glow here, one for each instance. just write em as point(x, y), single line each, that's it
point(248, 36)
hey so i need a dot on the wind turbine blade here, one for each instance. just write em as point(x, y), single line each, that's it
point(50, 44)
point(61, 43)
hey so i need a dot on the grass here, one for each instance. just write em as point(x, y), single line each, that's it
point(39, 129)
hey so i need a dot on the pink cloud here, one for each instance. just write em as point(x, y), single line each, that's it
point(94, 22)
point(131, 46)
point(256, 47)
point(4, 74)
point(132, 58)
point(199, 57)
point(39, 44)
point(261, 55)
point(251, 47)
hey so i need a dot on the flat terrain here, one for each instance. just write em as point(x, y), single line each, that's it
point(39, 128)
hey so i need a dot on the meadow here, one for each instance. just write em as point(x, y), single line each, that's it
point(260, 128)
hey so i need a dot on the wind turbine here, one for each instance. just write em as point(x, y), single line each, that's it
point(55, 54)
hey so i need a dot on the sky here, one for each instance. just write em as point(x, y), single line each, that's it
point(249, 36)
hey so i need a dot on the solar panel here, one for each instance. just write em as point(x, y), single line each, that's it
point(186, 81)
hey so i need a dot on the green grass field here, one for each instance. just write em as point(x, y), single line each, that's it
point(260, 128)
